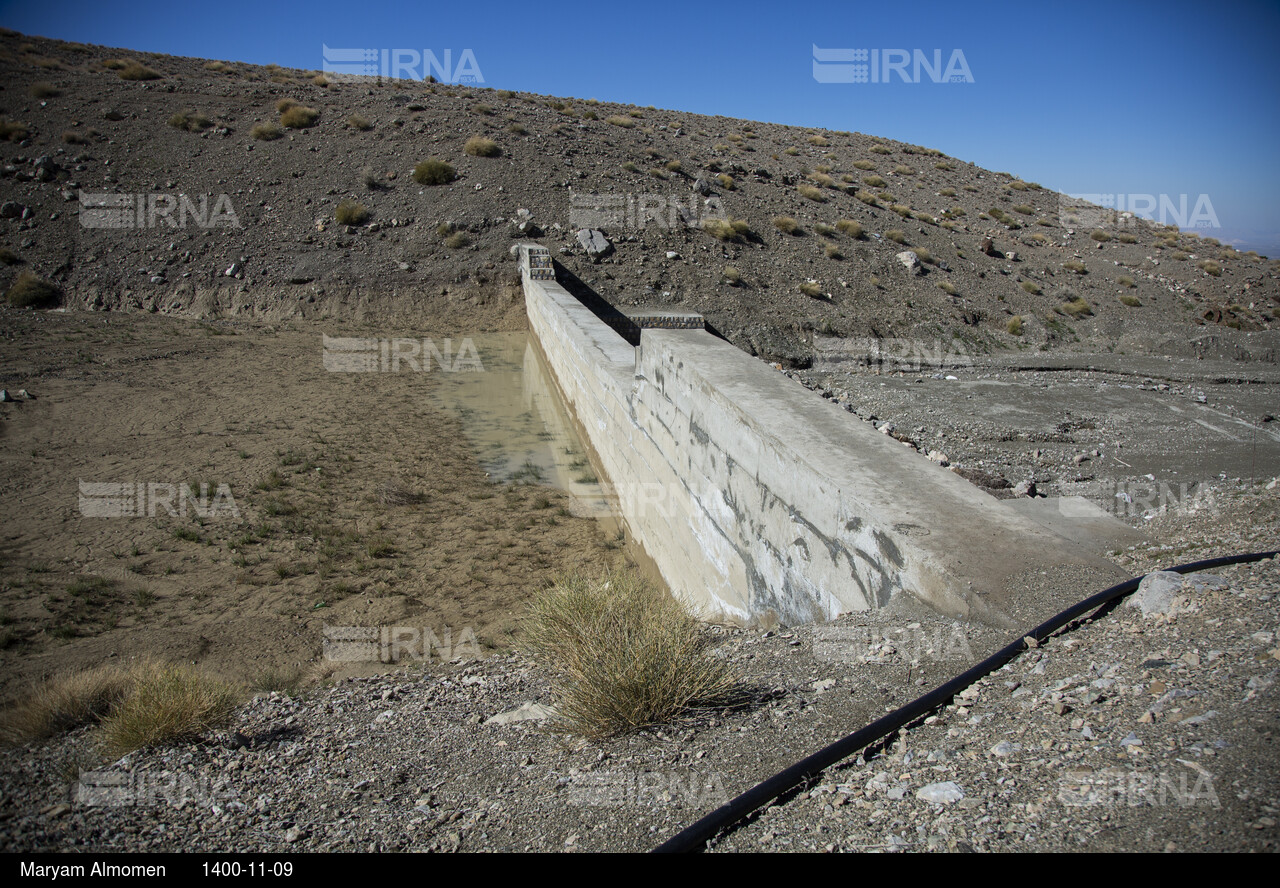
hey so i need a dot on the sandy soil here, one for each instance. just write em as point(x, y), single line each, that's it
point(359, 501)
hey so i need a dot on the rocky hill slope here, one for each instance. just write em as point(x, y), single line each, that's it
point(822, 217)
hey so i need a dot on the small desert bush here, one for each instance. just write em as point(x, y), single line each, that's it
point(732, 276)
point(867, 198)
point(457, 240)
point(8, 257)
point(42, 90)
point(266, 132)
point(1126, 238)
point(63, 703)
point(622, 655)
point(167, 704)
point(948, 288)
point(320, 80)
point(1075, 265)
point(832, 251)
point(359, 122)
point(1179, 256)
point(349, 212)
point(902, 210)
point(819, 141)
point(1023, 209)
point(631, 167)
point(895, 235)
point(482, 109)
point(29, 291)
point(1125, 281)
point(71, 137)
point(792, 151)
point(517, 129)
point(812, 289)
point(1099, 235)
point(1077, 308)
point(727, 230)
point(726, 182)
point(1018, 185)
point(850, 227)
point(299, 117)
point(478, 146)
point(191, 121)
point(947, 192)
point(786, 224)
point(12, 131)
point(874, 181)
point(1208, 266)
point(880, 149)
point(433, 172)
point(1031, 288)
point(814, 194)
point(823, 180)
point(924, 255)
point(619, 120)
point(137, 71)
point(218, 67)
point(903, 171)
point(864, 165)
point(1130, 300)
point(944, 166)
point(824, 230)
point(1014, 327)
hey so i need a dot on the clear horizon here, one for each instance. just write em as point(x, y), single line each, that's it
point(1141, 103)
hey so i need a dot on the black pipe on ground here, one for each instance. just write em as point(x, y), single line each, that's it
point(695, 836)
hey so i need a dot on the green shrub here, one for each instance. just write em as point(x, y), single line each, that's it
point(1208, 266)
point(726, 182)
point(896, 235)
point(433, 172)
point(1014, 327)
point(1031, 288)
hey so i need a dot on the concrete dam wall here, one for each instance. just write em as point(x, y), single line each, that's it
point(759, 501)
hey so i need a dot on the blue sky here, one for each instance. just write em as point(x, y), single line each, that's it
point(1134, 98)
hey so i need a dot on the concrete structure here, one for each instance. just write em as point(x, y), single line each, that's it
point(761, 502)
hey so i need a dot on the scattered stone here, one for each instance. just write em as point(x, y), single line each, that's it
point(594, 242)
point(910, 261)
point(940, 793)
point(524, 712)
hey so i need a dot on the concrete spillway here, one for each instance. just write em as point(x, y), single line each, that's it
point(761, 502)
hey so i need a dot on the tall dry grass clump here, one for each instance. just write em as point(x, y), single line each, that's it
point(623, 655)
point(166, 704)
point(63, 703)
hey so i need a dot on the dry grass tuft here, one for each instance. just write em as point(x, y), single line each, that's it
point(623, 655)
point(478, 146)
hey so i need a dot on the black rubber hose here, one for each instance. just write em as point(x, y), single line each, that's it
point(693, 837)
